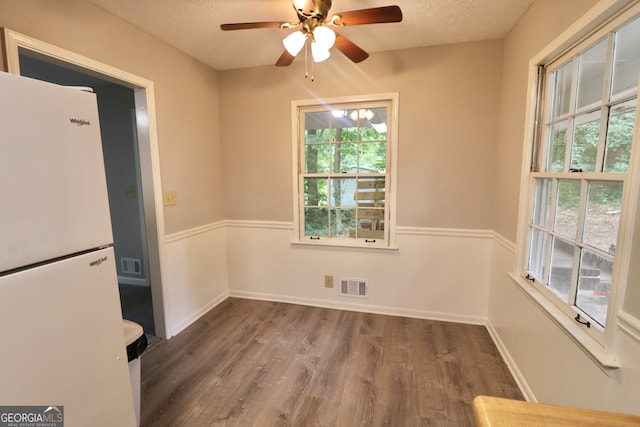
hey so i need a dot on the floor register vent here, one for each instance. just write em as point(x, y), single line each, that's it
point(130, 266)
point(354, 288)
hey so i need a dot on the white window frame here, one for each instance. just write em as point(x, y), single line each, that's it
point(297, 138)
point(598, 342)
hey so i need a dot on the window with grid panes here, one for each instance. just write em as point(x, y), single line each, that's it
point(581, 167)
point(344, 172)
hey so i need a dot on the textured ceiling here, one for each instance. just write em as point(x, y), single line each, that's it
point(193, 26)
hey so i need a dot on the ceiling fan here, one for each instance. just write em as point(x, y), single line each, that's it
point(313, 26)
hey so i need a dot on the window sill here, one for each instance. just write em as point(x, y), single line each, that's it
point(326, 244)
point(588, 344)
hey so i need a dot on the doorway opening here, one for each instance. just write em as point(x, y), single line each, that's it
point(127, 123)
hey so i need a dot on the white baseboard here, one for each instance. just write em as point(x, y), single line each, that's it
point(183, 324)
point(511, 364)
point(364, 308)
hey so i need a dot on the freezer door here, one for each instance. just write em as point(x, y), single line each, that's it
point(63, 341)
point(54, 193)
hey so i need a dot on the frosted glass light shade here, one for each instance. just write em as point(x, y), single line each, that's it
point(362, 113)
point(319, 53)
point(294, 42)
point(325, 37)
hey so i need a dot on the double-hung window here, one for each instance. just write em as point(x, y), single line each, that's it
point(582, 164)
point(344, 154)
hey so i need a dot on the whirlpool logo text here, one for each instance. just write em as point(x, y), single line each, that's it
point(80, 122)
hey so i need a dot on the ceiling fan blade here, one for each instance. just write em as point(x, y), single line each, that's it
point(285, 59)
point(376, 15)
point(350, 49)
point(251, 25)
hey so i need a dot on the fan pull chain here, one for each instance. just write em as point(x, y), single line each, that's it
point(312, 64)
point(307, 46)
point(306, 60)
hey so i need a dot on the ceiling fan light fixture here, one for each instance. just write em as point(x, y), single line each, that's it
point(294, 42)
point(302, 4)
point(324, 37)
point(318, 52)
point(362, 114)
point(313, 21)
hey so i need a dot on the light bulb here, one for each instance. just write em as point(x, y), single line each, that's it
point(369, 115)
point(324, 36)
point(362, 114)
point(319, 54)
point(303, 4)
point(294, 42)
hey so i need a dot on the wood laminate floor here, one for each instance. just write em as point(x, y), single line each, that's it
point(257, 363)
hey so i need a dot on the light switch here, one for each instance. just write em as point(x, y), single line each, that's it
point(170, 198)
point(328, 281)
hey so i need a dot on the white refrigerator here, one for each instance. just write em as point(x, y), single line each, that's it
point(61, 335)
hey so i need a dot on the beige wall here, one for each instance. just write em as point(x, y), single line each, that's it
point(544, 21)
point(186, 95)
point(449, 103)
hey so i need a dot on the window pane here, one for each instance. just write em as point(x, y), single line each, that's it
point(594, 284)
point(373, 157)
point(342, 222)
point(591, 75)
point(346, 130)
point(345, 158)
point(373, 126)
point(315, 191)
point(370, 223)
point(316, 158)
point(557, 146)
point(538, 254)
point(602, 215)
point(371, 192)
point(626, 67)
point(585, 142)
point(567, 208)
point(542, 202)
point(343, 192)
point(561, 268)
point(343, 170)
point(561, 90)
point(316, 135)
point(316, 126)
point(619, 136)
point(316, 222)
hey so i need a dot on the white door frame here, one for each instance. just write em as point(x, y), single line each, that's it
point(144, 97)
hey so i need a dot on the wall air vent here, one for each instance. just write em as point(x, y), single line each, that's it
point(130, 266)
point(354, 288)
